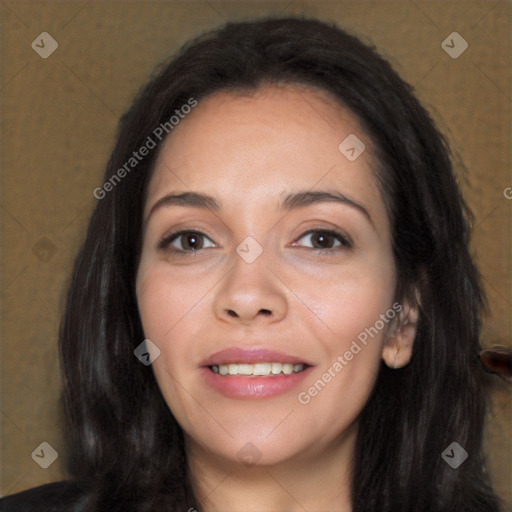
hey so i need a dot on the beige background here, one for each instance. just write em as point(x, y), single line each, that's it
point(58, 123)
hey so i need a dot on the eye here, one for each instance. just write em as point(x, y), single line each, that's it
point(325, 240)
point(186, 241)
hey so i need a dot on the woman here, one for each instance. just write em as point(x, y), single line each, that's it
point(275, 307)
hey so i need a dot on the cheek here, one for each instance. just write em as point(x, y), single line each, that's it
point(168, 306)
point(353, 324)
point(165, 300)
point(350, 314)
point(345, 304)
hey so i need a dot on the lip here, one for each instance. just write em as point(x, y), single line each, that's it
point(238, 355)
point(252, 386)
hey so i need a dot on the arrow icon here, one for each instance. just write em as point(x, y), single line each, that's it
point(249, 249)
point(249, 454)
point(45, 455)
point(351, 147)
point(44, 45)
point(454, 45)
point(454, 455)
point(44, 249)
point(147, 352)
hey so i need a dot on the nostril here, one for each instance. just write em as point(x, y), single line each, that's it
point(232, 313)
point(266, 311)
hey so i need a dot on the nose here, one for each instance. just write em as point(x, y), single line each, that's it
point(250, 293)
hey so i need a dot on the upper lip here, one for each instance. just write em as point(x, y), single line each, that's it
point(252, 355)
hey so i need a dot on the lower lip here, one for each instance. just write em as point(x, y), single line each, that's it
point(251, 386)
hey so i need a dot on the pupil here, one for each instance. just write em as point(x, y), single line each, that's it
point(322, 240)
point(190, 241)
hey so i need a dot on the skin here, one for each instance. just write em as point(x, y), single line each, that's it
point(249, 151)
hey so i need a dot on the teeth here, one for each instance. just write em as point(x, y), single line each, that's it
point(287, 368)
point(257, 369)
point(244, 369)
point(261, 369)
point(276, 368)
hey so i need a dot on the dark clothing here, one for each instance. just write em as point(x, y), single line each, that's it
point(56, 497)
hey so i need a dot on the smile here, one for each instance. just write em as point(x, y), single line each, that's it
point(254, 372)
point(259, 369)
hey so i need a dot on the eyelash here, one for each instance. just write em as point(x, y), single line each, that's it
point(165, 243)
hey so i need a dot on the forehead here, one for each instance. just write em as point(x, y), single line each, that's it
point(258, 146)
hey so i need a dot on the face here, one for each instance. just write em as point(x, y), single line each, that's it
point(266, 277)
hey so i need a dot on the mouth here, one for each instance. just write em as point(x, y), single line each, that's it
point(255, 372)
point(258, 369)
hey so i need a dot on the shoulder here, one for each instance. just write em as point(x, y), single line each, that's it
point(68, 496)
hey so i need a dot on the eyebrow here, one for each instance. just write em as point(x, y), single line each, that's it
point(290, 202)
point(302, 199)
point(186, 199)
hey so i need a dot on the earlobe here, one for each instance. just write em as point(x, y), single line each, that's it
point(397, 349)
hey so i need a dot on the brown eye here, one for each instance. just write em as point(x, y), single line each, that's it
point(186, 241)
point(324, 240)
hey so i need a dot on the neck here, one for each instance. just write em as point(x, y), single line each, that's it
point(313, 480)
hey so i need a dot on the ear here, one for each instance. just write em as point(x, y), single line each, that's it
point(397, 349)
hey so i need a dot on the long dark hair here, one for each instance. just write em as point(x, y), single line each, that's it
point(124, 440)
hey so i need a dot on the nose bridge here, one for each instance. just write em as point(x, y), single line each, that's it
point(250, 289)
point(250, 270)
